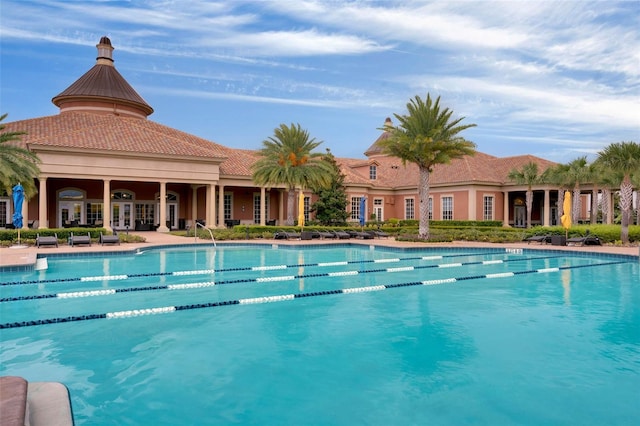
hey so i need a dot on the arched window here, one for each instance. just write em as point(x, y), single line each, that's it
point(122, 196)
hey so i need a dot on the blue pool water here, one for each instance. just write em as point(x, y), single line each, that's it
point(340, 336)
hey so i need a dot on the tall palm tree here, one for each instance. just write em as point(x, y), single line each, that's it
point(287, 158)
point(17, 164)
point(529, 176)
point(577, 174)
point(557, 175)
point(623, 157)
point(426, 136)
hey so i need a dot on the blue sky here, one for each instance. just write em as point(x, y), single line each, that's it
point(554, 79)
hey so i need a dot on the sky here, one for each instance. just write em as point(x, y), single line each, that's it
point(559, 80)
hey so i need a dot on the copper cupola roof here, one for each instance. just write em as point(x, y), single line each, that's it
point(103, 90)
point(375, 148)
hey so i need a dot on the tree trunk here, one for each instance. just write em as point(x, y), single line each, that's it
point(626, 199)
point(423, 195)
point(576, 205)
point(594, 206)
point(291, 199)
point(529, 203)
point(606, 206)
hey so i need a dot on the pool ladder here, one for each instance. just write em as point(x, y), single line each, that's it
point(195, 234)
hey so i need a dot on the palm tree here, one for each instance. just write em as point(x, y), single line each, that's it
point(17, 164)
point(557, 175)
point(426, 136)
point(287, 158)
point(577, 174)
point(527, 175)
point(623, 157)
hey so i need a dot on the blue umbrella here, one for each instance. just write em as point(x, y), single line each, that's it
point(18, 198)
point(363, 200)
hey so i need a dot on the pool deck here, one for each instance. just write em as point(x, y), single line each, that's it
point(25, 256)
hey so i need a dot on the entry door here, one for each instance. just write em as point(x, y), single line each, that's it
point(69, 212)
point(121, 214)
point(172, 215)
point(520, 217)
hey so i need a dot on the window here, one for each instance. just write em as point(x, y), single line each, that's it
point(256, 207)
point(227, 206)
point(355, 208)
point(121, 196)
point(145, 212)
point(430, 208)
point(94, 212)
point(377, 208)
point(447, 208)
point(4, 212)
point(373, 172)
point(487, 207)
point(409, 208)
point(307, 202)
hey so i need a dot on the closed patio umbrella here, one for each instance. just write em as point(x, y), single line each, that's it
point(301, 209)
point(565, 219)
point(363, 201)
point(18, 199)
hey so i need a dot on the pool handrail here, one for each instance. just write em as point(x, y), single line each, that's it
point(195, 234)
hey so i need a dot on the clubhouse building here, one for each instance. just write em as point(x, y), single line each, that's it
point(104, 163)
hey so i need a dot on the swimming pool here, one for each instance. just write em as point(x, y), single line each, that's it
point(342, 335)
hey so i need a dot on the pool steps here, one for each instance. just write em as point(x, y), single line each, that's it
point(34, 403)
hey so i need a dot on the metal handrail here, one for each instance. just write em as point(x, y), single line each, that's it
point(195, 234)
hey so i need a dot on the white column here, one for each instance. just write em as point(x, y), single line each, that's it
point(505, 209)
point(43, 218)
point(194, 205)
point(163, 208)
point(263, 206)
point(546, 220)
point(220, 223)
point(106, 204)
point(211, 205)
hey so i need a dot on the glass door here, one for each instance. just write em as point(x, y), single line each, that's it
point(121, 215)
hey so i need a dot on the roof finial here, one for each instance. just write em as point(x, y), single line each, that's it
point(104, 52)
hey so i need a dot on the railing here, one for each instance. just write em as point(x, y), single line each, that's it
point(195, 234)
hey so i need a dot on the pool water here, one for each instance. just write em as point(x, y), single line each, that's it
point(268, 335)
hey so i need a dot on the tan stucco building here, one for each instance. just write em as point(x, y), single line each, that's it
point(104, 163)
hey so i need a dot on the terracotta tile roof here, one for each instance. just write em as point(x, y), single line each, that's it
point(480, 168)
point(81, 130)
point(238, 162)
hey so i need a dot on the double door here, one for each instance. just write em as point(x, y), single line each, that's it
point(121, 215)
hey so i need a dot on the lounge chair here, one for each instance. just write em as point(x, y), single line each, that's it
point(286, 235)
point(587, 240)
point(378, 233)
point(341, 235)
point(326, 234)
point(79, 239)
point(109, 239)
point(46, 240)
point(360, 234)
point(542, 239)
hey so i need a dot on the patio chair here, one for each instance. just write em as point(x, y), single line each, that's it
point(341, 235)
point(588, 240)
point(109, 239)
point(360, 234)
point(79, 239)
point(46, 240)
point(542, 239)
point(285, 235)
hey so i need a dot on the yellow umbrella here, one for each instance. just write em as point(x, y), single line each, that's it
point(566, 212)
point(301, 209)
